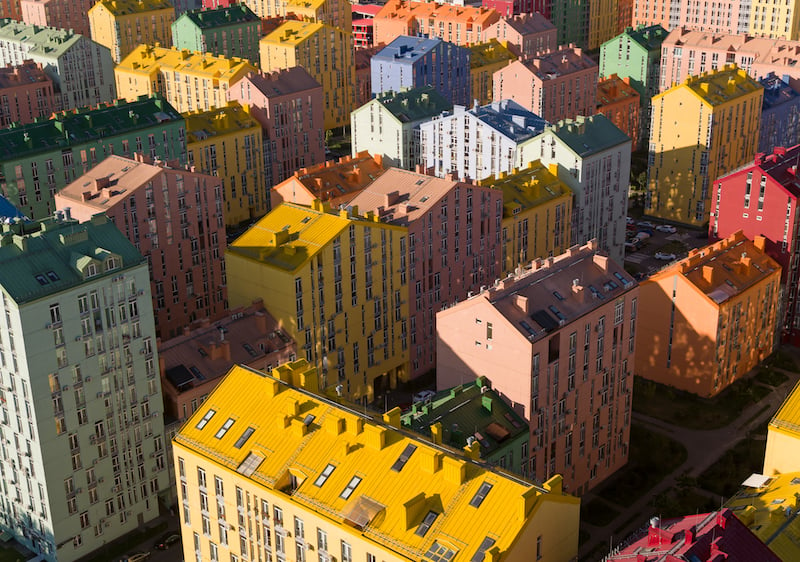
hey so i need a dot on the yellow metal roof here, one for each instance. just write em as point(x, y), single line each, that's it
point(490, 52)
point(527, 188)
point(202, 125)
point(787, 419)
point(124, 7)
point(144, 59)
point(718, 86)
point(306, 4)
point(388, 504)
point(771, 513)
point(293, 32)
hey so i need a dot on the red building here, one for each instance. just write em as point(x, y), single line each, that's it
point(363, 15)
point(26, 92)
point(510, 8)
point(617, 100)
point(761, 199)
point(214, 4)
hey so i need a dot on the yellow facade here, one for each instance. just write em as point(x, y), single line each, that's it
point(603, 16)
point(783, 437)
point(485, 60)
point(336, 13)
point(700, 130)
point(331, 279)
point(779, 19)
point(122, 25)
point(227, 143)
point(537, 211)
point(267, 470)
point(326, 53)
point(189, 81)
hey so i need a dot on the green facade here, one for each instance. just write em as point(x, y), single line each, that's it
point(38, 159)
point(571, 18)
point(229, 32)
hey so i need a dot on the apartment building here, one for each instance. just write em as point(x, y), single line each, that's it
point(298, 272)
point(38, 159)
point(363, 24)
point(413, 62)
point(84, 463)
point(26, 92)
point(558, 85)
point(389, 125)
point(288, 106)
point(460, 25)
point(711, 316)
point(537, 210)
point(10, 9)
point(227, 142)
point(761, 199)
point(339, 484)
point(326, 53)
point(61, 14)
point(123, 25)
point(485, 59)
point(335, 13)
point(453, 235)
point(160, 210)
point(781, 455)
point(190, 81)
point(81, 70)
point(524, 34)
point(780, 113)
point(716, 134)
point(619, 101)
point(479, 142)
point(515, 332)
point(593, 157)
point(232, 32)
point(362, 60)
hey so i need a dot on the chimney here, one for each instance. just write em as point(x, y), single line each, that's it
point(601, 261)
point(101, 183)
point(708, 274)
point(261, 322)
point(436, 433)
point(522, 303)
point(688, 536)
point(760, 243)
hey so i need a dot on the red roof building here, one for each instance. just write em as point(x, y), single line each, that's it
point(619, 101)
point(510, 8)
point(26, 92)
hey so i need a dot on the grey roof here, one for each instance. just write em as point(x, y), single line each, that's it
point(407, 49)
point(777, 91)
point(415, 104)
point(588, 135)
point(510, 119)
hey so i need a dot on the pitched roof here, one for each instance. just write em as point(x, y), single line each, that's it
point(235, 14)
point(787, 418)
point(415, 104)
point(588, 135)
point(282, 82)
point(527, 188)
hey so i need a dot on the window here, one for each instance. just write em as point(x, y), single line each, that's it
point(480, 495)
point(539, 547)
point(347, 552)
point(243, 439)
point(347, 492)
point(322, 540)
point(480, 554)
point(207, 418)
point(324, 475)
point(439, 553)
point(224, 429)
point(403, 458)
point(84, 520)
point(426, 524)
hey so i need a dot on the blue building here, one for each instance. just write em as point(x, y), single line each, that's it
point(780, 114)
point(412, 62)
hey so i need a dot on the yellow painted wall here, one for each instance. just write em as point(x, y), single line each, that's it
point(122, 33)
point(778, 19)
point(541, 239)
point(602, 21)
point(783, 452)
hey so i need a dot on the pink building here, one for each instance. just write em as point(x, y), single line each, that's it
point(363, 58)
point(194, 362)
point(363, 15)
point(510, 8)
point(288, 104)
point(619, 101)
point(453, 233)
point(64, 14)
point(540, 337)
point(26, 92)
point(174, 218)
point(558, 85)
point(212, 4)
point(688, 53)
point(524, 35)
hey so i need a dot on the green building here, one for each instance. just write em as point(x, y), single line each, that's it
point(38, 159)
point(571, 18)
point(230, 32)
point(472, 413)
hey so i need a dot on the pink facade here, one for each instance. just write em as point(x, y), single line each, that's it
point(761, 199)
point(524, 35)
point(174, 218)
point(288, 104)
point(213, 4)
point(557, 343)
point(453, 232)
point(555, 86)
point(64, 14)
point(510, 8)
point(26, 92)
point(652, 12)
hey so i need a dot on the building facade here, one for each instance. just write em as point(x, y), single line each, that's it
point(726, 107)
point(780, 456)
point(161, 210)
point(123, 25)
point(711, 316)
point(485, 59)
point(231, 33)
point(38, 159)
point(60, 14)
point(524, 35)
point(26, 92)
point(780, 114)
point(514, 333)
point(617, 100)
point(81, 70)
point(76, 299)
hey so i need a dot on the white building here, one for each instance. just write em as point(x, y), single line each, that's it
point(594, 160)
point(479, 142)
point(82, 453)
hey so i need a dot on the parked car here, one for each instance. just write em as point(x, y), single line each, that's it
point(631, 245)
point(665, 256)
point(642, 235)
point(645, 224)
point(136, 557)
point(168, 540)
point(629, 220)
point(422, 396)
point(668, 228)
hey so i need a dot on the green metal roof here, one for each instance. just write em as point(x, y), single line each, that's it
point(49, 256)
point(83, 125)
point(41, 41)
point(588, 135)
point(469, 410)
point(233, 15)
point(415, 104)
point(649, 37)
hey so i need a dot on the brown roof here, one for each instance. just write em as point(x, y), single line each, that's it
point(282, 82)
point(28, 72)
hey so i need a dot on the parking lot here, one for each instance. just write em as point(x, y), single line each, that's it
point(656, 249)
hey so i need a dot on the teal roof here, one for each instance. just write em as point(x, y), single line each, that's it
point(79, 126)
point(588, 135)
point(415, 104)
point(42, 41)
point(49, 256)
point(235, 14)
point(469, 410)
point(649, 37)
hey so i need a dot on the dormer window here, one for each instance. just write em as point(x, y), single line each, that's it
point(111, 263)
point(91, 270)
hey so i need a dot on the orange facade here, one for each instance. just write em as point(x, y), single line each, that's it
point(617, 100)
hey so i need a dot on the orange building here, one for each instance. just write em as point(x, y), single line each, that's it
point(711, 317)
point(461, 25)
point(619, 101)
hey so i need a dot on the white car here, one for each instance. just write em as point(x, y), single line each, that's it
point(665, 256)
point(423, 396)
point(668, 228)
point(629, 220)
point(645, 224)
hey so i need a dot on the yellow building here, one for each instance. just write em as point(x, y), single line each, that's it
point(227, 142)
point(485, 59)
point(331, 278)
point(779, 19)
point(188, 80)
point(336, 13)
point(269, 470)
point(537, 207)
point(122, 25)
point(700, 130)
point(326, 53)
point(603, 20)
point(783, 437)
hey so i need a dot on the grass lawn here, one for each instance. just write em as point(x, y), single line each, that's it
point(653, 456)
point(674, 247)
point(725, 477)
point(689, 410)
point(598, 513)
point(782, 360)
point(771, 377)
